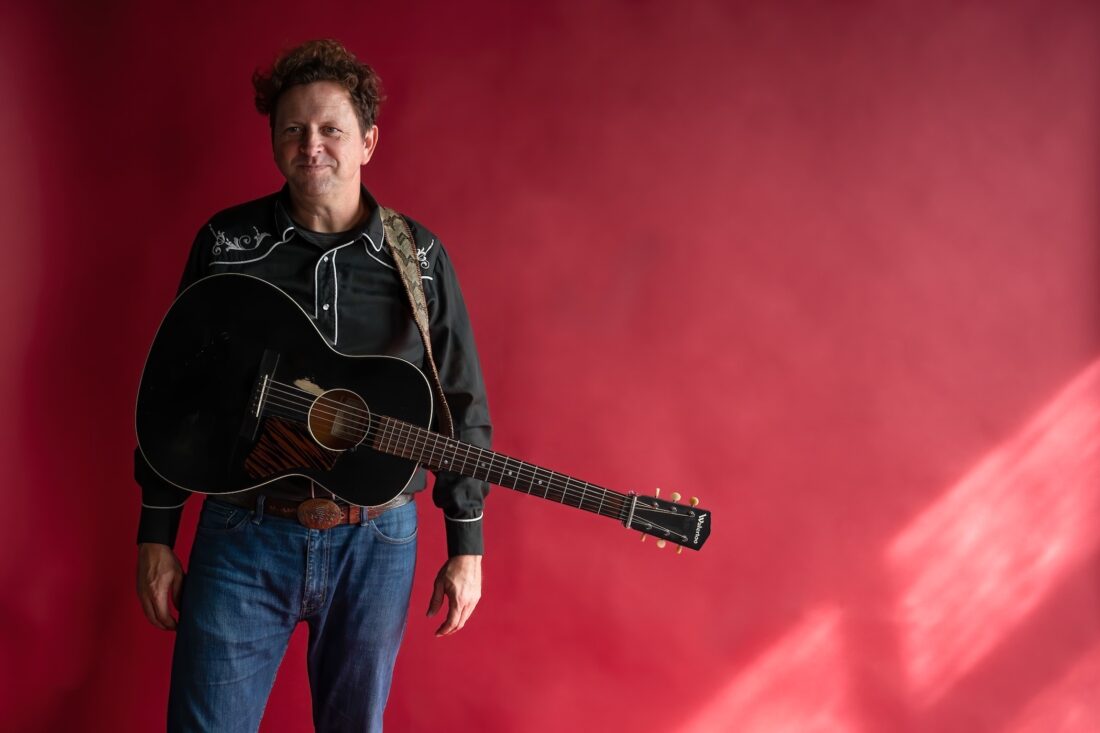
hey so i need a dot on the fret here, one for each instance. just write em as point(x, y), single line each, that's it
point(392, 437)
point(535, 480)
point(398, 440)
point(435, 444)
point(425, 446)
point(565, 489)
point(466, 460)
point(446, 453)
point(404, 446)
point(461, 463)
point(380, 435)
point(481, 464)
point(438, 452)
point(499, 480)
point(549, 495)
point(508, 473)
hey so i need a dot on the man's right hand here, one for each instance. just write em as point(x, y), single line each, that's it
point(159, 578)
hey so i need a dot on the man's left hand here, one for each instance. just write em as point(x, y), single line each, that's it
point(460, 581)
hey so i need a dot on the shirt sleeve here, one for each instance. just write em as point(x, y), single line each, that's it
point(161, 502)
point(461, 499)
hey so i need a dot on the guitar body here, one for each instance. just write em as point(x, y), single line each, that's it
point(240, 389)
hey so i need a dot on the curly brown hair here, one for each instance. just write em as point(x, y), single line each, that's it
point(322, 60)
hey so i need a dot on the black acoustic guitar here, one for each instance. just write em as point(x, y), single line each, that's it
point(240, 389)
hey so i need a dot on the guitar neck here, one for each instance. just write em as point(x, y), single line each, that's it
point(440, 453)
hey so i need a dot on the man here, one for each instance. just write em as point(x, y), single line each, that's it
point(255, 571)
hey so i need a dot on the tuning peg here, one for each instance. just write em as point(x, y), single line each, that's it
point(680, 550)
point(694, 501)
point(657, 493)
point(675, 496)
point(661, 544)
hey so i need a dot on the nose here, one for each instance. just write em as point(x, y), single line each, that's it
point(310, 142)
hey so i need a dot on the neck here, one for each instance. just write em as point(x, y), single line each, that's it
point(328, 214)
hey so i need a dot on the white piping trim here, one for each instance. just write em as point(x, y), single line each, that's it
point(328, 253)
point(174, 506)
point(335, 302)
point(288, 231)
point(317, 290)
point(378, 248)
point(475, 519)
point(336, 293)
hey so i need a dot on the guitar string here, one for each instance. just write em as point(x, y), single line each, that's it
point(587, 496)
point(421, 443)
point(584, 495)
point(617, 503)
point(303, 399)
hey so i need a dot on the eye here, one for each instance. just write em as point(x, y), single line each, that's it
point(333, 131)
point(292, 130)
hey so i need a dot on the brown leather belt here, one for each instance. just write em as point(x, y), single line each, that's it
point(326, 514)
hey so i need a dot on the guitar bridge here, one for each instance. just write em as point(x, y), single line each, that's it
point(260, 391)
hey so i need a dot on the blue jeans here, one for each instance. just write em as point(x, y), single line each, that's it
point(252, 578)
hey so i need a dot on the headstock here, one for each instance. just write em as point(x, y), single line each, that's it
point(669, 521)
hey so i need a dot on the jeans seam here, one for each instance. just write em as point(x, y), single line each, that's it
point(324, 573)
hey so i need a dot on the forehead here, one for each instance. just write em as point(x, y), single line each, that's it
point(318, 99)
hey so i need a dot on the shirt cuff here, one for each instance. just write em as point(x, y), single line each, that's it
point(464, 536)
point(159, 525)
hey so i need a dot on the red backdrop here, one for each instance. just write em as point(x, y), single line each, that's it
point(832, 267)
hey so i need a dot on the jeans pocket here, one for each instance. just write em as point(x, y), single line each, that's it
point(219, 517)
point(397, 526)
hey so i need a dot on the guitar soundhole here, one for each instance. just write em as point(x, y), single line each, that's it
point(339, 419)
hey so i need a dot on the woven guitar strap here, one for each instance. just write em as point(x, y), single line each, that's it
point(403, 248)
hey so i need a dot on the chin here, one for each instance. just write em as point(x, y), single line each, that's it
point(312, 187)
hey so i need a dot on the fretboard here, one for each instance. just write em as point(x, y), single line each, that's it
point(440, 453)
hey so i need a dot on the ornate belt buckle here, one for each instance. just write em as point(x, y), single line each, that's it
point(319, 514)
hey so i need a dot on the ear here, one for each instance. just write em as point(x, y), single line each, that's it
point(370, 141)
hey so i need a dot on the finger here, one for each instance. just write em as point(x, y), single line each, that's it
point(150, 613)
point(449, 626)
point(160, 607)
point(437, 597)
point(146, 609)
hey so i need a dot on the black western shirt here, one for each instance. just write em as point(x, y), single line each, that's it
point(352, 291)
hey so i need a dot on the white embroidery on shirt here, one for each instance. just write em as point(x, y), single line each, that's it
point(239, 244)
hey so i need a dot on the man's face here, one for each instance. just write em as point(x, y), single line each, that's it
point(317, 142)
